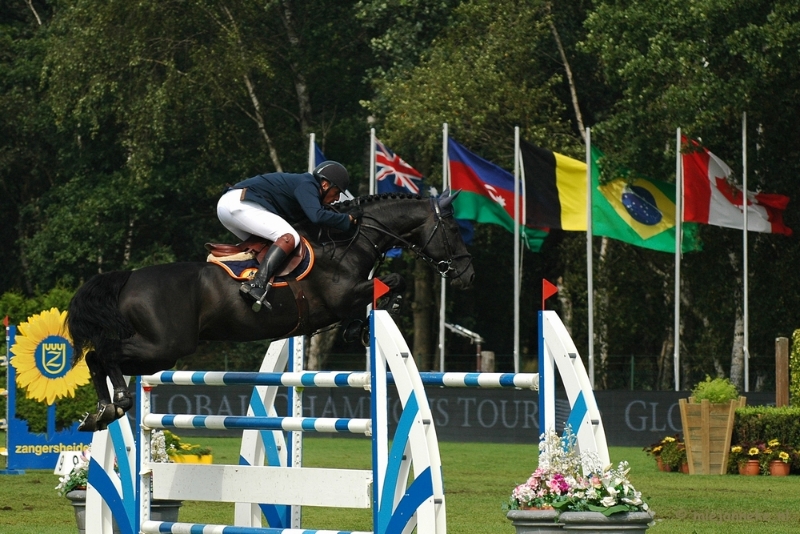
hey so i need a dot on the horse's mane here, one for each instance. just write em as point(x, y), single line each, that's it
point(359, 202)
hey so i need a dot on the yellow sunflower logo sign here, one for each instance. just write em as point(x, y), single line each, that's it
point(43, 358)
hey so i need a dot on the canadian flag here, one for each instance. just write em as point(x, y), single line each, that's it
point(711, 197)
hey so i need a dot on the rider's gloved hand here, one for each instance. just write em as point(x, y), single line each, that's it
point(356, 215)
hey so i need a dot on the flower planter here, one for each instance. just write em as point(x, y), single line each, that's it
point(685, 468)
point(622, 523)
point(160, 510)
point(191, 458)
point(534, 521)
point(778, 468)
point(750, 468)
point(77, 498)
point(707, 430)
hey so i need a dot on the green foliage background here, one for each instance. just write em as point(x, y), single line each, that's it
point(122, 121)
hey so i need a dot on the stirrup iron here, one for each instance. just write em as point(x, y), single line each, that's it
point(262, 301)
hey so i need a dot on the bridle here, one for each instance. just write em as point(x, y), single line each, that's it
point(443, 267)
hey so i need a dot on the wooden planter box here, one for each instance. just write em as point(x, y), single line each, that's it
point(707, 430)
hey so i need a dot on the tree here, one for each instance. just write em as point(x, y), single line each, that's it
point(700, 66)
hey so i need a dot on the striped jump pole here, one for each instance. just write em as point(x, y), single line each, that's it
point(404, 486)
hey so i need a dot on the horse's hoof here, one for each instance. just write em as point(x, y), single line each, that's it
point(365, 336)
point(352, 331)
point(89, 423)
point(394, 305)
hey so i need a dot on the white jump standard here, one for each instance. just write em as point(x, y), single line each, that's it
point(271, 484)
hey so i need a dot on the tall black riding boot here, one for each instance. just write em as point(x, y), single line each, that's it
point(258, 287)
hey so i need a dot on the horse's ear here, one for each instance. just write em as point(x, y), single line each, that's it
point(447, 198)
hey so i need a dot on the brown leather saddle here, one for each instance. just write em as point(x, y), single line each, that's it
point(241, 261)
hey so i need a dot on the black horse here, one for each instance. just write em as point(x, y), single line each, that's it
point(141, 322)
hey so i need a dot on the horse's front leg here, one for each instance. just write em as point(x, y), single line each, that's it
point(397, 286)
point(356, 327)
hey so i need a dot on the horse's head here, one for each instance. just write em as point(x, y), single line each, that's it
point(442, 242)
point(423, 225)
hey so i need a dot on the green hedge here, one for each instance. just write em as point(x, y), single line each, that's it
point(794, 370)
point(762, 423)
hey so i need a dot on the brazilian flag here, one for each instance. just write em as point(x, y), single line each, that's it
point(639, 211)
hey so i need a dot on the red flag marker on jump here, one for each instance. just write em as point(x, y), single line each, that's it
point(379, 289)
point(548, 290)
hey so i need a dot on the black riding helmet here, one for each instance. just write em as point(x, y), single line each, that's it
point(334, 172)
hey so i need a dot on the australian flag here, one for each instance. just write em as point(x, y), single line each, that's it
point(392, 174)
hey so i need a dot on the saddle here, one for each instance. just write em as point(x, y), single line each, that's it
point(241, 261)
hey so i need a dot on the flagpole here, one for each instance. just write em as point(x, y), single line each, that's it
point(372, 189)
point(516, 249)
point(676, 363)
point(311, 162)
point(372, 186)
point(745, 231)
point(443, 292)
point(589, 253)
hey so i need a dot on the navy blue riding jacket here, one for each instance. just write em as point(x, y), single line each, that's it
point(295, 197)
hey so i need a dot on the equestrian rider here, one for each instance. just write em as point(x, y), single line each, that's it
point(266, 204)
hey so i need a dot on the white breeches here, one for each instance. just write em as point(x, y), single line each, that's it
point(245, 218)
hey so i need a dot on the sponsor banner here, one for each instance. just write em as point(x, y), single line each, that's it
point(40, 368)
point(630, 418)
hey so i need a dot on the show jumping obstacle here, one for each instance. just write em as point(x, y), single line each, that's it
point(270, 482)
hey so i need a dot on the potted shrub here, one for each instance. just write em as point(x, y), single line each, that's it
point(747, 458)
point(707, 418)
point(777, 458)
point(673, 453)
point(655, 451)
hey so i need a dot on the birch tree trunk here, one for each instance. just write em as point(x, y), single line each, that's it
point(257, 114)
point(300, 85)
point(572, 90)
point(601, 332)
point(737, 351)
point(320, 348)
point(566, 304)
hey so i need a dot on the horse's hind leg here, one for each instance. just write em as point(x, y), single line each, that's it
point(108, 410)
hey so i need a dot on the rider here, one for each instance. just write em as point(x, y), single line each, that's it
point(266, 204)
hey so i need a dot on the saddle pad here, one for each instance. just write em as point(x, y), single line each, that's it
point(243, 266)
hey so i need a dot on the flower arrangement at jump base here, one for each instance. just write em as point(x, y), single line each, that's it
point(568, 481)
point(78, 478)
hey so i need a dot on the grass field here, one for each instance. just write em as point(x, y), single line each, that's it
point(478, 479)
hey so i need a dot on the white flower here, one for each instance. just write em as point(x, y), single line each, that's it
point(608, 501)
point(636, 500)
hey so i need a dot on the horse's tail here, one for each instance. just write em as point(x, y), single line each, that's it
point(93, 318)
